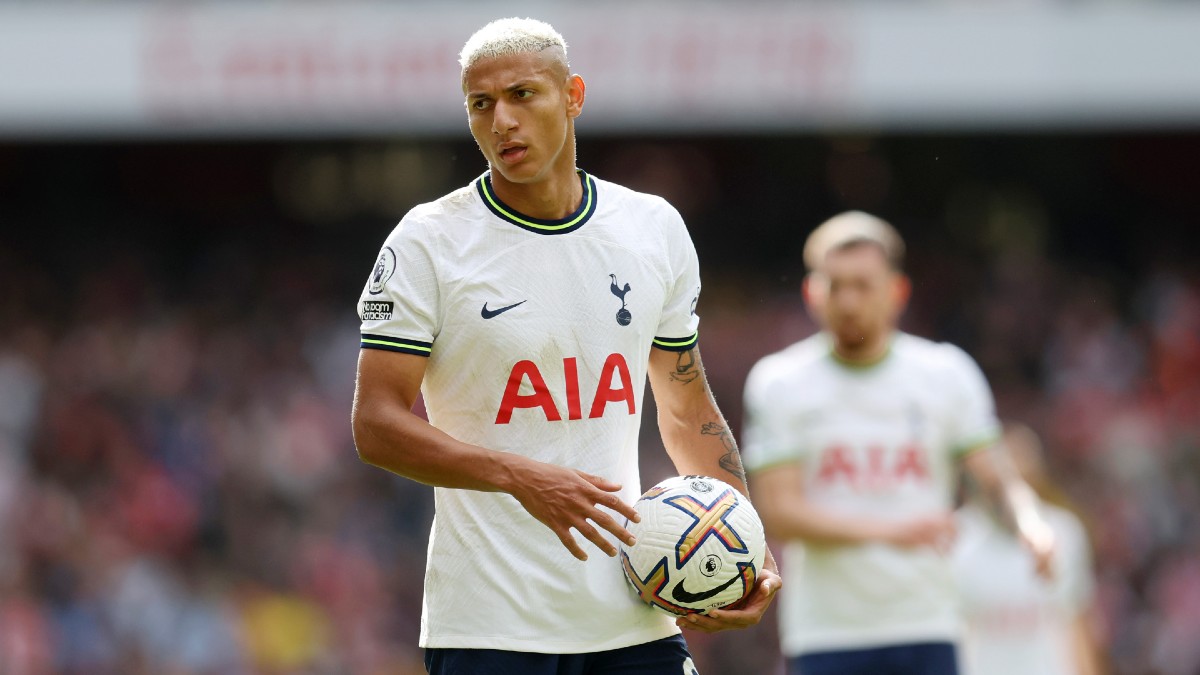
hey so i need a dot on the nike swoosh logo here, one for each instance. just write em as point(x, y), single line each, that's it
point(681, 594)
point(490, 313)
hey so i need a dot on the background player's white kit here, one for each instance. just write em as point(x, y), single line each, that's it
point(1018, 622)
point(878, 441)
point(537, 334)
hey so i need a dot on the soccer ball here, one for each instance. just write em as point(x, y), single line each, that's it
point(700, 545)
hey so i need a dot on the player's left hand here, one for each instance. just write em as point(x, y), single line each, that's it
point(744, 614)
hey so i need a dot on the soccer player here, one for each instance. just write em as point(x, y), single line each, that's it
point(854, 437)
point(529, 308)
point(1018, 622)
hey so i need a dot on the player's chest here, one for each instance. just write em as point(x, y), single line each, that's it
point(875, 440)
point(554, 288)
point(895, 402)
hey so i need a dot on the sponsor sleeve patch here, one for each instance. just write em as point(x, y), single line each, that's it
point(376, 310)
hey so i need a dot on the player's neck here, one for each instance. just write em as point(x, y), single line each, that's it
point(552, 198)
point(863, 353)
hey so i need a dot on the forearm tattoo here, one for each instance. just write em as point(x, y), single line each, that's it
point(731, 461)
point(686, 371)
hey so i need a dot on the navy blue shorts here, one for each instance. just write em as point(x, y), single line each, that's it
point(926, 658)
point(668, 656)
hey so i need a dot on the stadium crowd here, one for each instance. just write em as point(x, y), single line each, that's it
point(180, 494)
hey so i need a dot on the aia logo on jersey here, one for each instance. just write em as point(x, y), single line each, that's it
point(874, 468)
point(615, 369)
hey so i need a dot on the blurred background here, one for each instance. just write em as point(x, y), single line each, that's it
point(192, 195)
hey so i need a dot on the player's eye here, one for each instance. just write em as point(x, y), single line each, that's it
point(524, 93)
point(480, 104)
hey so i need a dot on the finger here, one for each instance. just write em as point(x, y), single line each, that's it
point(600, 482)
point(761, 595)
point(591, 534)
point(614, 502)
point(698, 623)
point(715, 621)
point(607, 522)
point(769, 582)
point(755, 603)
point(572, 545)
point(726, 618)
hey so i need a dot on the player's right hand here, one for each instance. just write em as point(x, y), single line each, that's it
point(936, 531)
point(563, 499)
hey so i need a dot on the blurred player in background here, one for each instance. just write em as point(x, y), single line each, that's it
point(855, 436)
point(1017, 621)
point(529, 308)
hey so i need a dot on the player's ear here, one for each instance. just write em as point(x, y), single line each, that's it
point(902, 290)
point(815, 290)
point(576, 91)
point(809, 289)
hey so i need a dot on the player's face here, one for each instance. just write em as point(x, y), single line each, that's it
point(857, 295)
point(521, 109)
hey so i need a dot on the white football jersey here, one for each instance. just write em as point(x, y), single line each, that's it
point(1018, 622)
point(538, 334)
point(878, 441)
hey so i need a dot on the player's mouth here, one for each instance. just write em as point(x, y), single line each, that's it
point(512, 153)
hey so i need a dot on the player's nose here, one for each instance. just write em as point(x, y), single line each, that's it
point(846, 304)
point(503, 119)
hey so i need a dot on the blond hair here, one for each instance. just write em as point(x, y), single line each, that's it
point(504, 37)
point(850, 229)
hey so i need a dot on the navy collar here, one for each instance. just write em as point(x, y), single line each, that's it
point(572, 222)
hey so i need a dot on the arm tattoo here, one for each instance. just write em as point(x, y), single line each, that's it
point(685, 367)
point(731, 461)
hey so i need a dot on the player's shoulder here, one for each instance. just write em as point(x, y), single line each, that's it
point(622, 198)
point(931, 354)
point(447, 208)
point(790, 362)
point(436, 217)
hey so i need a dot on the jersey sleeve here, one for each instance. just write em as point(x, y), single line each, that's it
point(976, 426)
point(400, 303)
point(677, 328)
point(769, 433)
